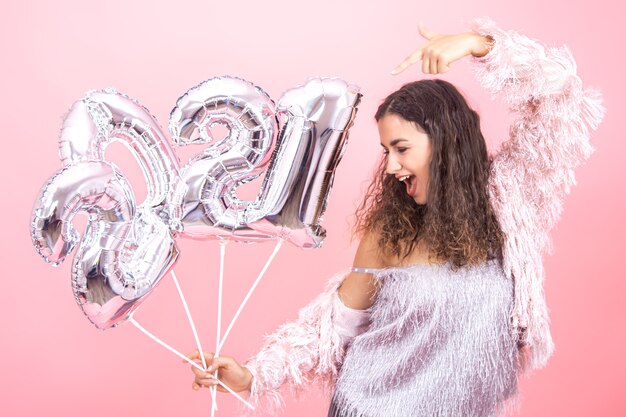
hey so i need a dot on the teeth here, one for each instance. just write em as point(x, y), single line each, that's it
point(406, 177)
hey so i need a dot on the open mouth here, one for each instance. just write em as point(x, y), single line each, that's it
point(411, 184)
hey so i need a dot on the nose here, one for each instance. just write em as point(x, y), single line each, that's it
point(393, 165)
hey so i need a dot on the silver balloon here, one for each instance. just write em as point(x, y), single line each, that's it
point(104, 116)
point(117, 266)
point(204, 204)
point(317, 117)
point(125, 251)
point(292, 197)
point(92, 187)
point(121, 256)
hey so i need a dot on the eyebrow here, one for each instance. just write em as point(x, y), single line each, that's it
point(395, 142)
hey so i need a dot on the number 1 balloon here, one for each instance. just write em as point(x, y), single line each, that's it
point(125, 250)
point(311, 144)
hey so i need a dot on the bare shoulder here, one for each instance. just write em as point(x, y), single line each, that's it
point(369, 253)
point(358, 290)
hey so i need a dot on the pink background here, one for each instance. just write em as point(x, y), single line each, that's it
point(54, 362)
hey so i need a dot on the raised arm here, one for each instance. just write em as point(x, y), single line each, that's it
point(549, 136)
point(550, 133)
point(534, 169)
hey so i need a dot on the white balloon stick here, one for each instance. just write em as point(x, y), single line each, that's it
point(177, 353)
point(245, 300)
point(191, 323)
point(227, 388)
point(162, 343)
point(219, 320)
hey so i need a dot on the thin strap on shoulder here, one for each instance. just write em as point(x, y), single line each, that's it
point(366, 270)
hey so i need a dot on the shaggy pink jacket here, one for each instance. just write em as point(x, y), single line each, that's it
point(530, 175)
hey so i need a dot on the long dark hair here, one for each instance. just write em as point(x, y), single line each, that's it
point(457, 224)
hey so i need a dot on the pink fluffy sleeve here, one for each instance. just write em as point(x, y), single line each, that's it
point(308, 349)
point(534, 169)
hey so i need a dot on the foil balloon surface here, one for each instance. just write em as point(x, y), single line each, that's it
point(105, 116)
point(315, 119)
point(125, 250)
point(204, 204)
point(117, 265)
point(305, 137)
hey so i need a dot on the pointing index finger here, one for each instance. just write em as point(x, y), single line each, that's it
point(408, 61)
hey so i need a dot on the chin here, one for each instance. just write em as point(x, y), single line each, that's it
point(421, 201)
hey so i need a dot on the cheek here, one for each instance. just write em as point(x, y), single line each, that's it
point(421, 157)
point(424, 178)
point(427, 161)
point(423, 167)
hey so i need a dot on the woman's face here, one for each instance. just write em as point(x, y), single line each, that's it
point(408, 154)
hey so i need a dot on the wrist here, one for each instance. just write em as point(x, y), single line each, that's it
point(248, 377)
point(482, 45)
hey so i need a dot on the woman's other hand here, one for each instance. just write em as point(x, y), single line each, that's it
point(442, 50)
point(233, 375)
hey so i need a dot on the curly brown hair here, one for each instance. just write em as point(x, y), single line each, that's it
point(457, 224)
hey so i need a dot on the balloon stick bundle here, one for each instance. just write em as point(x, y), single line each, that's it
point(126, 249)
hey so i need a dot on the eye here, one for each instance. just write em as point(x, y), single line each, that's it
point(402, 150)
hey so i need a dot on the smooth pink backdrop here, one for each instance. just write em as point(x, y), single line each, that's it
point(54, 362)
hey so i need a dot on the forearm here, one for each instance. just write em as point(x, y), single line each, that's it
point(309, 348)
point(523, 68)
point(549, 136)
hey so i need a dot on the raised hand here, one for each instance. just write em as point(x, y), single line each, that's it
point(441, 50)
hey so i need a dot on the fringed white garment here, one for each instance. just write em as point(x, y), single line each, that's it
point(534, 169)
point(310, 348)
point(530, 176)
point(440, 343)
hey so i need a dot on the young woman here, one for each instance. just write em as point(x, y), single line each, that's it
point(444, 305)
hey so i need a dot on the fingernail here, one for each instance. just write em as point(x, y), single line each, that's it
point(394, 71)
